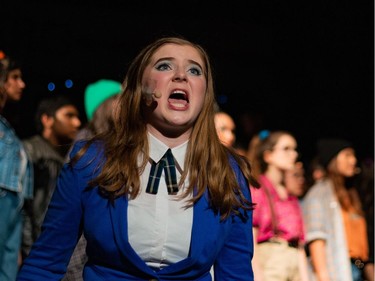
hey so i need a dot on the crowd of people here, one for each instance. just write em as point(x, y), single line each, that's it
point(153, 186)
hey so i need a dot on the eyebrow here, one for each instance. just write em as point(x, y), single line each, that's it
point(172, 58)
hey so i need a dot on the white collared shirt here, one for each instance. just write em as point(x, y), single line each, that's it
point(159, 226)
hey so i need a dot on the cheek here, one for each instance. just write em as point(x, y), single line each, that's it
point(229, 134)
point(198, 85)
point(8, 89)
point(201, 88)
point(199, 107)
point(10, 84)
point(157, 79)
point(152, 80)
point(62, 124)
point(347, 172)
point(200, 94)
point(285, 161)
point(346, 168)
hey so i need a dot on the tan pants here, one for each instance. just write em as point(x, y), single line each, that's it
point(278, 261)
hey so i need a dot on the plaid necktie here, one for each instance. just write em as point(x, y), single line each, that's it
point(167, 164)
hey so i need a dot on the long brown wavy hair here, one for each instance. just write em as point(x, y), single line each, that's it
point(346, 191)
point(206, 161)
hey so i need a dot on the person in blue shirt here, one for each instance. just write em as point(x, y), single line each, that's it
point(158, 197)
point(16, 174)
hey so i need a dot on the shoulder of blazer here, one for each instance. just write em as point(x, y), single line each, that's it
point(94, 155)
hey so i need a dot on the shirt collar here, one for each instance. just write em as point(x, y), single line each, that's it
point(158, 149)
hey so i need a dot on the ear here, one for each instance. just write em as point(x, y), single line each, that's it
point(47, 121)
point(267, 156)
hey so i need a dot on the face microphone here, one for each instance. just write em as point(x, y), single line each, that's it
point(157, 95)
point(149, 93)
point(150, 97)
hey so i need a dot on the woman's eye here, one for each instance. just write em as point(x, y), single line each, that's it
point(195, 71)
point(163, 66)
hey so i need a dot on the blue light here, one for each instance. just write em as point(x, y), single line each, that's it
point(68, 83)
point(51, 86)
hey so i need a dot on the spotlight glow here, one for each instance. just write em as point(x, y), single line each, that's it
point(51, 86)
point(68, 83)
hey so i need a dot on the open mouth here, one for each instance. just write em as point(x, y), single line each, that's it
point(178, 98)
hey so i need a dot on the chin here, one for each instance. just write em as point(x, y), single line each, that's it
point(16, 98)
point(180, 122)
point(349, 174)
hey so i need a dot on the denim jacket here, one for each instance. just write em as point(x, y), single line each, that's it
point(16, 171)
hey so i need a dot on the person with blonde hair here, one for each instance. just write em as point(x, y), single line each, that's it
point(158, 197)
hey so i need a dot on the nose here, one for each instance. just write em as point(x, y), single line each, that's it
point(232, 137)
point(22, 84)
point(296, 154)
point(179, 75)
point(76, 122)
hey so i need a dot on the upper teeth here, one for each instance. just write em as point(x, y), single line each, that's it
point(178, 92)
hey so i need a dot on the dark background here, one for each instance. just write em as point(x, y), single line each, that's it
point(305, 67)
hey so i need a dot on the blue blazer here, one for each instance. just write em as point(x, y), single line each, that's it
point(228, 245)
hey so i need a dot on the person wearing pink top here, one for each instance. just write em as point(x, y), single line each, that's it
point(277, 219)
point(287, 211)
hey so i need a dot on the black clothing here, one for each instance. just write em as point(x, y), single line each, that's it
point(47, 164)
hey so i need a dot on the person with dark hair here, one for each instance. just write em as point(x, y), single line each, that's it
point(335, 224)
point(315, 172)
point(295, 181)
point(16, 174)
point(158, 197)
point(57, 123)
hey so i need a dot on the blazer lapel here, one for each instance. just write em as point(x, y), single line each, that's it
point(119, 214)
point(204, 221)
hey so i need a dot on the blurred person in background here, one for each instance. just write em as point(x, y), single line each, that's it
point(57, 123)
point(226, 130)
point(278, 227)
point(315, 172)
point(99, 100)
point(295, 181)
point(16, 173)
point(336, 230)
point(365, 183)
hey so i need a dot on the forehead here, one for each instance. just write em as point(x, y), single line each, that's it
point(185, 52)
point(345, 151)
point(225, 119)
point(286, 140)
point(69, 108)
